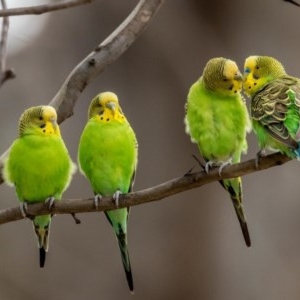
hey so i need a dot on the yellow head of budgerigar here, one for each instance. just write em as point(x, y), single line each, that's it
point(39, 120)
point(233, 75)
point(105, 108)
point(258, 71)
point(222, 75)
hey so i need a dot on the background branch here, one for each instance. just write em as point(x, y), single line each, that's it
point(4, 73)
point(40, 9)
point(103, 55)
point(292, 2)
point(159, 192)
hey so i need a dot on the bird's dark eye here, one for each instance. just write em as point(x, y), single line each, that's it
point(225, 79)
point(257, 67)
point(41, 118)
point(43, 126)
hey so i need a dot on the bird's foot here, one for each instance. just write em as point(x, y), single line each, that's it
point(260, 153)
point(209, 165)
point(97, 199)
point(224, 164)
point(50, 201)
point(116, 197)
point(220, 164)
point(23, 209)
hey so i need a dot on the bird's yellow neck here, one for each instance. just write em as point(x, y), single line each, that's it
point(50, 129)
point(109, 115)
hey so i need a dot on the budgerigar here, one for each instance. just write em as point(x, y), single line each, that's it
point(39, 166)
point(275, 104)
point(107, 156)
point(217, 121)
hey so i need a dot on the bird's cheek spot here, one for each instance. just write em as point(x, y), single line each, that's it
point(101, 118)
point(255, 83)
point(107, 119)
point(44, 130)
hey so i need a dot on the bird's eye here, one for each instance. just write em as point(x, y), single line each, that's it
point(247, 70)
point(257, 68)
point(41, 118)
point(225, 79)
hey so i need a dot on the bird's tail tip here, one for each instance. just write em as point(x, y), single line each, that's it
point(122, 241)
point(42, 257)
point(246, 234)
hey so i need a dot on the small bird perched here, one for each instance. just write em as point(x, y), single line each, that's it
point(217, 121)
point(39, 166)
point(107, 156)
point(275, 103)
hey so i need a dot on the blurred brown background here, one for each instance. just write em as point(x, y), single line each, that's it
point(189, 246)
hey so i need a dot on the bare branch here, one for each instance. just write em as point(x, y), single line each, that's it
point(104, 54)
point(4, 73)
point(41, 9)
point(159, 192)
point(292, 2)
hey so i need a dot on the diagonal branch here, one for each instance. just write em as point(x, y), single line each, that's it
point(159, 192)
point(103, 55)
point(40, 9)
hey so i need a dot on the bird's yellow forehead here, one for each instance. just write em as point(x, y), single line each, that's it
point(108, 97)
point(49, 113)
point(230, 69)
point(251, 62)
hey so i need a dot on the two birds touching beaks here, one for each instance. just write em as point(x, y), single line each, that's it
point(216, 120)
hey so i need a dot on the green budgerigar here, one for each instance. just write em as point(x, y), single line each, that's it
point(39, 166)
point(107, 156)
point(275, 104)
point(217, 121)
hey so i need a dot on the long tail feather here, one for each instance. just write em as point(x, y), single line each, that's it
point(112, 217)
point(234, 188)
point(42, 229)
point(42, 257)
point(122, 241)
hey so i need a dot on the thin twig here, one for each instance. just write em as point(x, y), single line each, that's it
point(159, 192)
point(41, 9)
point(4, 73)
point(104, 54)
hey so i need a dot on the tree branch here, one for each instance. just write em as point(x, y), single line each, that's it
point(5, 74)
point(292, 2)
point(103, 55)
point(41, 9)
point(159, 192)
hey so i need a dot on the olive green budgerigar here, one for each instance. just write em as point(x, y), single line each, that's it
point(107, 156)
point(39, 166)
point(275, 104)
point(217, 121)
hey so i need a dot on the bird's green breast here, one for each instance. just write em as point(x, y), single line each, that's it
point(108, 156)
point(39, 167)
point(216, 123)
